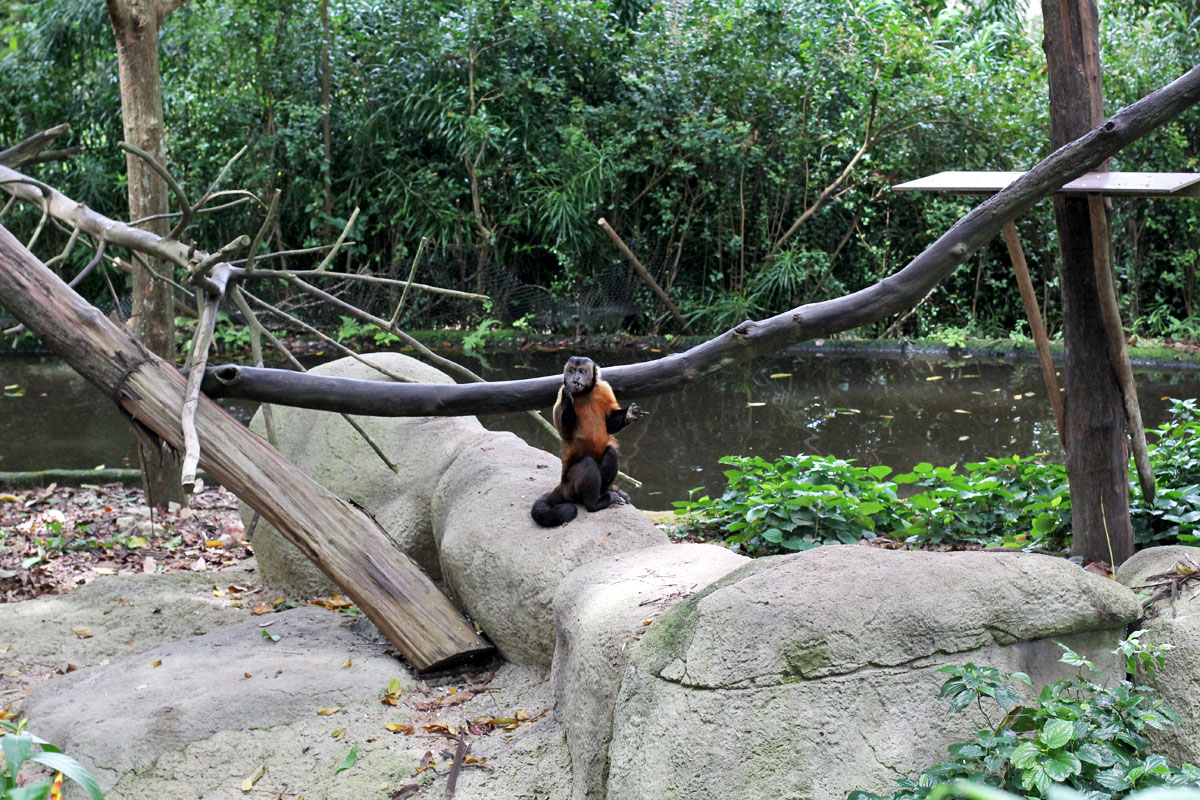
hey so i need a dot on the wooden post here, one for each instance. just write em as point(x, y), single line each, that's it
point(1116, 343)
point(1040, 340)
point(344, 542)
point(1097, 458)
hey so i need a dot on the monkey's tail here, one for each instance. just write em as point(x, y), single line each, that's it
point(548, 514)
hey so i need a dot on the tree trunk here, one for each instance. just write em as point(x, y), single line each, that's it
point(135, 26)
point(345, 543)
point(1097, 451)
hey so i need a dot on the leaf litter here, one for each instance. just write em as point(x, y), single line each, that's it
point(56, 538)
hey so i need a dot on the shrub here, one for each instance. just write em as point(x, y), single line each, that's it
point(1086, 735)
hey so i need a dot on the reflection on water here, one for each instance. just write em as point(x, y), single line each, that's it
point(878, 409)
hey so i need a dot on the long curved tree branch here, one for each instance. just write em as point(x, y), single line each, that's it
point(750, 339)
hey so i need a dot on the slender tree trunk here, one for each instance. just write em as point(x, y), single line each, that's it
point(135, 26)
point(1097, 451)
point(325, 107)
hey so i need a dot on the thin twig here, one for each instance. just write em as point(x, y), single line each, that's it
point(247, 274)
point(209, 210)
point(145, 264)
point(189, 211)
point(408, 284)
point(66, 251)
point(41, 223)
point(341, 238)
point(270, 309)
point(428, 354)
point(321, 248)
point(257, 331)
point(91, 265)
point(162, 173)
point(272, 210)
point(202, 269)
point(278, 345)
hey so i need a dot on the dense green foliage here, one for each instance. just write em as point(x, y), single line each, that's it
point(1081, 733)
point(702, 130)
point(800, 502)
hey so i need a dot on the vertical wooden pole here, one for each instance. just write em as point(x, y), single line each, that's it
point(1040, 340)
point(1097, 455)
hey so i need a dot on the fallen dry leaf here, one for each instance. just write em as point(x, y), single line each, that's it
point(325, 712)
point(395, 727)
point(155, 663)
point(347, 664)
point(248, 784)
point(82, 632)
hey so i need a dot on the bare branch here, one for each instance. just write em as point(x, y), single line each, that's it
point(272, 211)
point(341, 238)
point(24, 152)
point(250, 316)
point(334, 343)
point(163, 173)
point(201, 270)
point(244, 274)
point(408, 284)
point(188, 212)
point(868, 140)
point(321, 248)
point(209, 210)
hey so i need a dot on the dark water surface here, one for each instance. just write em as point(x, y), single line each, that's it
point(878, 409)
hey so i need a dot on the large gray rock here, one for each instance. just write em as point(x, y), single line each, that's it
point(458, 505)
point(330, 451)
point(600, 610)
point(498, 563)
point(120, 718)
point(814, 674)
point(1177, 623)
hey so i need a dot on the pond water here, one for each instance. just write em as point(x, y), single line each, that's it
point(879, 409)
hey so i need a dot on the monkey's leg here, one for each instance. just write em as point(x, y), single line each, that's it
point(584, 480)
point(608, 474)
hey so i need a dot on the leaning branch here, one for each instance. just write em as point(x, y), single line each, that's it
point(750, 339)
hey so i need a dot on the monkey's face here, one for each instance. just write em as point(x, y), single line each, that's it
point(580, 374)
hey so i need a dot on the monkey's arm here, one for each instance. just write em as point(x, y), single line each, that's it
point(618, 418)
point(565, 417)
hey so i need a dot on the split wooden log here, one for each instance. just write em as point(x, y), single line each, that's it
point(341, 540)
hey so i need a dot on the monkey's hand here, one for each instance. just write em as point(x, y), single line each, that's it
point(633, 413)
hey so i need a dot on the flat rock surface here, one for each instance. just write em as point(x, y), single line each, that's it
point(178, 694)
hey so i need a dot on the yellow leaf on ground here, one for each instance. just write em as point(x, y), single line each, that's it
point(82, 632)
point(346, 665)
point(155, 663)
point(325, 712)
point(248, 784)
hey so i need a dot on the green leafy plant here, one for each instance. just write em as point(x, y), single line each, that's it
point(1082, 733)
point(1174, 514)
point(18, 745)
point(799, 502)
point(473, 342)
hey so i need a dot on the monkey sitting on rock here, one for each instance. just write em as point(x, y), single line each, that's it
point(586, 415)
